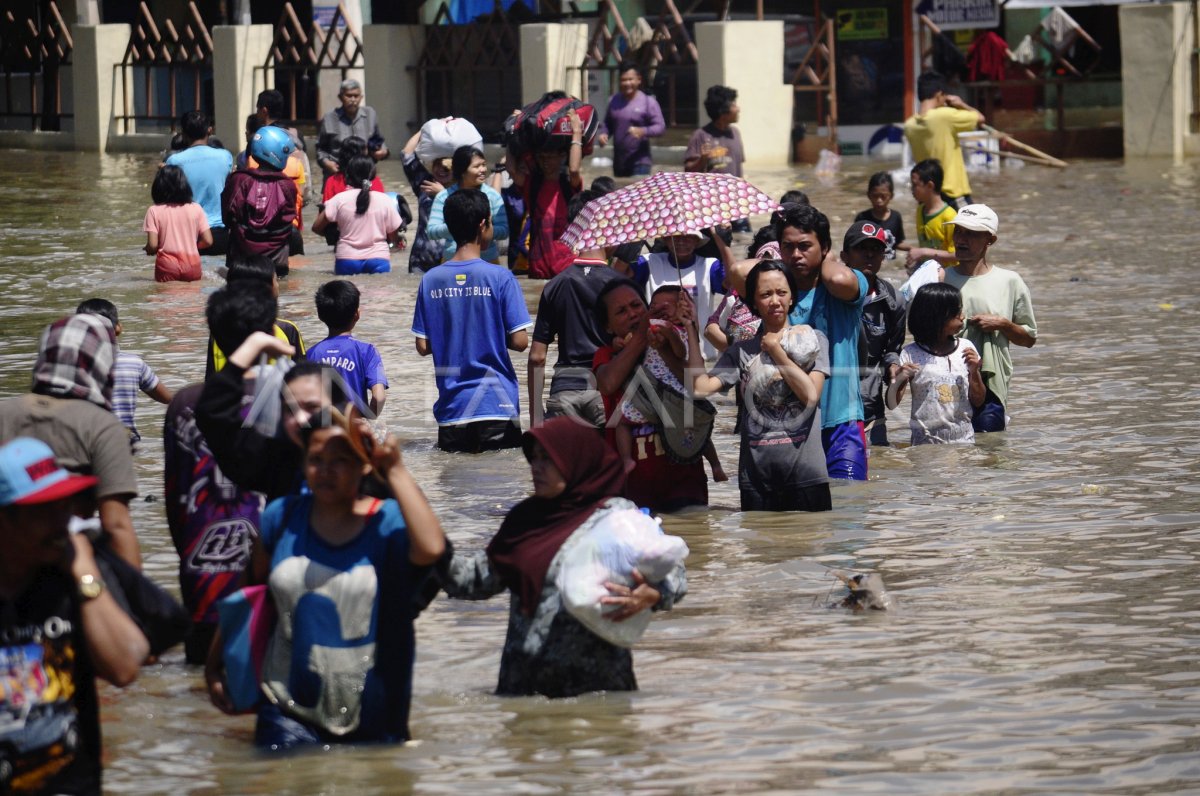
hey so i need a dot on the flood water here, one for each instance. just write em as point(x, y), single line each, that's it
point(1046, 635)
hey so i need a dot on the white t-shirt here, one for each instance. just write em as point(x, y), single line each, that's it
point(697, 279)
point(362, 237)
point(941, 403)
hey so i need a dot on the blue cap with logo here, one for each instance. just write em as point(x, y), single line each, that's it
point(30, 474)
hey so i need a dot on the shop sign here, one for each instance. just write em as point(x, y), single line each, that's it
point(960, 14)
point(862, 24)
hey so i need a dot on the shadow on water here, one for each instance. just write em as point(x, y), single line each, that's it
point(1045, 635)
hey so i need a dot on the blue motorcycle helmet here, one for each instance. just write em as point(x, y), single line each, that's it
point(271, 147)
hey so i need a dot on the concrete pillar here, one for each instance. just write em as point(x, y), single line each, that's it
point(748, 56)
point(548, 53)
point(97, 58)
point(392, 50)
point(238, 52)
point(1156, 42)
point(329, 80)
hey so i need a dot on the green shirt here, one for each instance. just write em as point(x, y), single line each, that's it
point(998, 292)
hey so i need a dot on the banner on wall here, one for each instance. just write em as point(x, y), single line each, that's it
point(960, 14)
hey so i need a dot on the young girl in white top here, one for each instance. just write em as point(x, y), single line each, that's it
point(942, 368)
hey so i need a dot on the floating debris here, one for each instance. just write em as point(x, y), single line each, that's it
point(865, 591)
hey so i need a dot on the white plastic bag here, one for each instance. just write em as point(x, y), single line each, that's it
point(618, 543)
point(440, 137)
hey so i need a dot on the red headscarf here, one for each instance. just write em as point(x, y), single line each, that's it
point(535, 528)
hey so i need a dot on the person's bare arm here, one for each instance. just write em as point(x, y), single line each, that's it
point(737, 273)
point(378, 398)
point(955, 101)
point(115, 644)
point(426, 539)
point(161, 393)
point(612, 374)
point(423, 346)
point(116, 522)
point(919, 254)
point(714, 335)
point(151, 247)
point(839, 279)
point(727, 258)
point(320, 223)
point(703, 384)
point(575, 156)
point(895, 390)
point(205, 239)
point(518, 340)
point(1015, 332)
point(536, 372)
point(976, 390)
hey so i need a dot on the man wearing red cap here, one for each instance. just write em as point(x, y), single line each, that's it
point(59, 629)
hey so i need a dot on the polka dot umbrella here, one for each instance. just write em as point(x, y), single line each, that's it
point(666, 203)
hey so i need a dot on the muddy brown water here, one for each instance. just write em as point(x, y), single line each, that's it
point(1046, 634)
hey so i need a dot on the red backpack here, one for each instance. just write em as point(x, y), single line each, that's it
point(543, 124)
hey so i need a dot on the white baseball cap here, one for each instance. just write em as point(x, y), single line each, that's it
point(979, 218)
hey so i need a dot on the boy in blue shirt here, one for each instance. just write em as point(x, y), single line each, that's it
point(359, 363)
point(469, 313)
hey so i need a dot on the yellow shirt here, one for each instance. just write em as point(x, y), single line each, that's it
point(935, 135)
point(937, 231)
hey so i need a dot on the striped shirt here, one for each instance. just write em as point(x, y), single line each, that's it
point(130, 374)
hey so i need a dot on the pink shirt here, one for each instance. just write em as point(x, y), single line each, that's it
point(178, 227)
point(362, 237)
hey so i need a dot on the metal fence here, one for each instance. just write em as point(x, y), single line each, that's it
point(165, 69)
point(33, 51)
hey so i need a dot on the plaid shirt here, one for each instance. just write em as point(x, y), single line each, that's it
point(76, 356)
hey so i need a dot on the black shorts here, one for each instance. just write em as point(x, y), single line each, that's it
point(480, 436)
point(802, 498)
point(220, 244)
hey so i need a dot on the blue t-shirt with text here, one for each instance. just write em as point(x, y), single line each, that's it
point(466, 310)
point(206, 169)
point(358, 362)
point(839, 320)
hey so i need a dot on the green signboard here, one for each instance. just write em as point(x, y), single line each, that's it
point(862, 24)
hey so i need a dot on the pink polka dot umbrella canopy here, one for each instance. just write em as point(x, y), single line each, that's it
point(666, 203)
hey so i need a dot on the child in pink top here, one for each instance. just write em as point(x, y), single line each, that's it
point(176, 228)
point(367, 223)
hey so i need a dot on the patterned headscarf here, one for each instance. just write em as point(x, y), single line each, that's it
point(769, 251)
point(75, 360)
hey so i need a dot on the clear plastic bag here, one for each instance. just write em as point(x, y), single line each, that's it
point(618, 543)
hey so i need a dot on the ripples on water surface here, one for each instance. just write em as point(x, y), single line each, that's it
point(1046, 634)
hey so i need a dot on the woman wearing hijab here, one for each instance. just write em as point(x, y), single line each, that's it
point(576, 481)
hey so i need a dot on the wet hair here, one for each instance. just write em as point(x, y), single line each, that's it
point(883, 178)
point(931, 308)
point(794, 197)
point(194, 125)
point(602, 185)
point(930, 170)
point(236, 311)
point(929, 84)
point(764, 236)
point(577, 202)
point(255, 268)
point(272, 101)
point(601, 306)
point(170, 187)
point(805, 218)
point(464, 212)
point(337, 301)
point(463, 156)
point(350, 147)
point(98, 306)
point(766, 266)
point(360, 172)
point(629, 66)
point(719, 100)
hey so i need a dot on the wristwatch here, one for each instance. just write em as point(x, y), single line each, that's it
point(90, 587)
